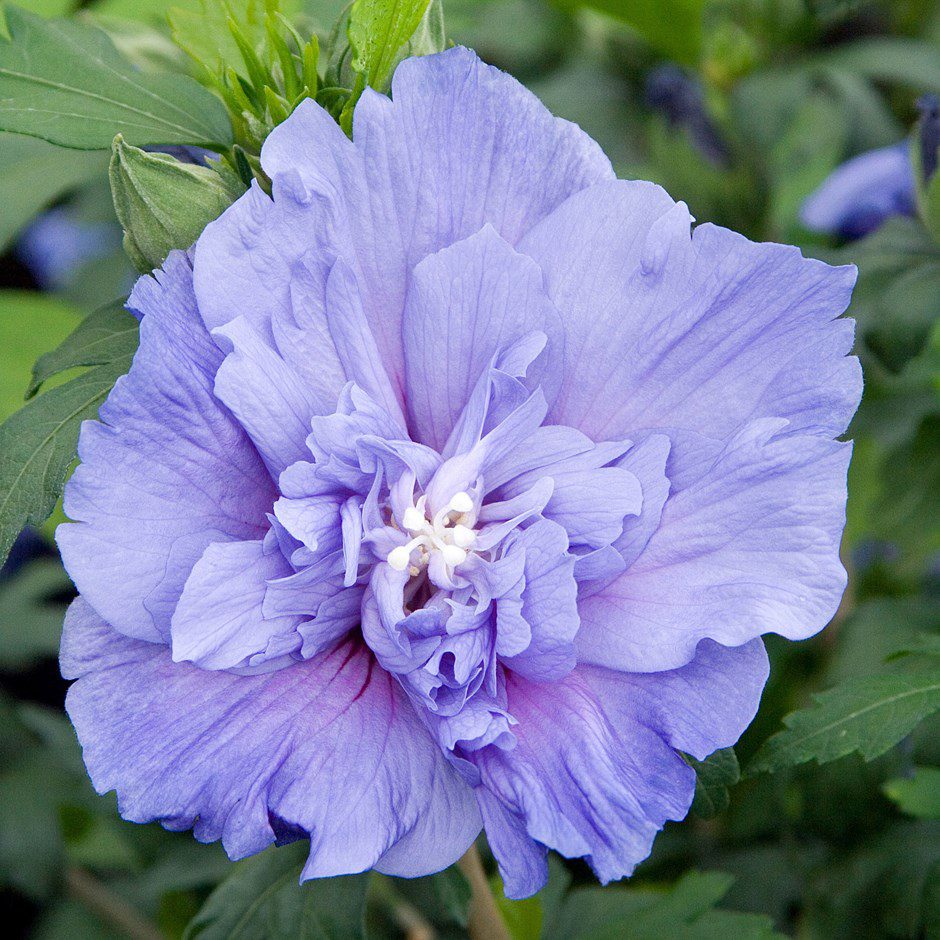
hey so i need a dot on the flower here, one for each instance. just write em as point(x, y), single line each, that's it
point(451, 486)
point(858, 196)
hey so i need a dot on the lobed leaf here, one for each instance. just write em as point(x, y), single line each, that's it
point(65, 82)
point(102, 337)
point(262, 898)
point(37, 446)
point(869, 715)
point(713, 776)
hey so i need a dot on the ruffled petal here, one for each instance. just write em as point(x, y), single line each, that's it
point(595, 772)
point(219, 623)
point(165, 472)
point(751, 548)
point(690, 335)
point(459, 145)
point(271, 401)
point(329, 747)
point(466, 303)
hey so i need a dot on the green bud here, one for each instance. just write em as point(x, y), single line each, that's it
point(162, 203)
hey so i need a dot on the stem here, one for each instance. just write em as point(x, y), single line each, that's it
point(111, 908)
point(485, 922)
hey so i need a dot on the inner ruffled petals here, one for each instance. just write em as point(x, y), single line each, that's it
point(457, 567)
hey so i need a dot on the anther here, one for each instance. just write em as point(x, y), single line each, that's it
point(461, 502)
point(453, 555)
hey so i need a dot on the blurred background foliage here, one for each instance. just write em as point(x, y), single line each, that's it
point(742, 108)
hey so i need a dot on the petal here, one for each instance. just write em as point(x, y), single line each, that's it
point(268, 259)
point(165, 472)
point(680, 334)
point(219, 623)
point(330, 747)
point(461, 144)
point(751, 548)
point(548, 603)
point(465, 303)
point(595, 772)
point(271, 401)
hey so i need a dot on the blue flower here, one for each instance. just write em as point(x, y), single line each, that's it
point(453, 486)
point(57, 244)
point(862, 193)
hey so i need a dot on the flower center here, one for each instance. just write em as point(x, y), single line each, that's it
point(449, 532)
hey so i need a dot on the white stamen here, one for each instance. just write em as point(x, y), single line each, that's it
point(461, 502)
point(399, 558)
point(413, 519)
point(453, 555)
point(463, 536)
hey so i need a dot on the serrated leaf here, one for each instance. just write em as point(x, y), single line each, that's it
point(713, 776)
point(66, 82)
point(30, 616)
point(673, 27)
point(918, 795)
point(37, 446)
point(263, 898)
point(868, 715)
point(35, 174)
point(104, 336)
point(378, 30)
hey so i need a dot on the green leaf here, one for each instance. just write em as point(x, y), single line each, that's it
point(35, 174)
point(673, 27)
point(64, 81)
point(104, 336)
point(262, 898)
point(378, 32)
point(30, 323)
point(918, 795)
point(685, 910)
point(162, 203)
point(713, 776)
point(909, 62)
point(869, 715)
point(30, 617)
point(37, 446)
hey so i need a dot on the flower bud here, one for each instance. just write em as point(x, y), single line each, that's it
point(162, 203)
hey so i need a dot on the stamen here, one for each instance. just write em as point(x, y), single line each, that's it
point(399, 558)
point(453, 555)
point(413, 519)
point(461, 502)
point(463, 536)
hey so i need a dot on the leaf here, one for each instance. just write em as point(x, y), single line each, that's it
point(35, 174)
point(910, 62)
point(262, 898)
point(65, 81)
point(378, 29)
point(37, 446)
point(673, 27)
point(30, 323)
point(686, 910)
point(104, 336)
point(918, 795)
point(30, 616)
point(713, 776)
point(869, 715)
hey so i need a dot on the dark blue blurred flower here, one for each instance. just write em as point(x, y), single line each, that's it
point(862, 193)
point(28, 546)
point(56, 244)
point(929, 134)
point(679, 98)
